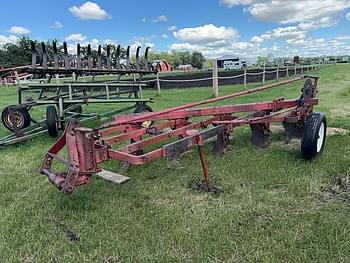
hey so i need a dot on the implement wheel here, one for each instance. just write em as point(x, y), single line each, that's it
point(314, 135)
point(51, 121)
point(21, 117)
point(141, 109)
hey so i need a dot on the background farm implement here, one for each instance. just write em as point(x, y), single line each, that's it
point(180, 128)
point(64, 99)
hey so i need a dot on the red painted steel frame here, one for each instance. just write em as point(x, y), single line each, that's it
point(87, 148)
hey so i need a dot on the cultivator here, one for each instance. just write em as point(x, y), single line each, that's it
point(64, 100)
point(117, 62)
point(87, 148)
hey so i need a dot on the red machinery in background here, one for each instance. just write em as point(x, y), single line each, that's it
point(87, 148)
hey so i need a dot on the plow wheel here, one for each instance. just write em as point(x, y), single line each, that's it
point(20, 119)
point(314, 135)
point(143, 108)
point(51, 121)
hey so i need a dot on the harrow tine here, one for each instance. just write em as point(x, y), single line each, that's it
point(78, 57)
point(118, 58)
point(34, 53)
point(66, 60)
point(89, 57)
point(146, 59)
point(128, 58)
point(55, 56)
point(99, 57)
point(43, 47)
point(108, 57)
point(138, 58)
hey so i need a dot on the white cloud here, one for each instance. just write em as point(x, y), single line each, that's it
point(319, 46)
point(89, 11)
point(320, 23)
point(213, 41)
point(144, 20)
point(206, 34)
point(76, 38)
point(257, 39)
point(8, 39)
point(165, 36)
point(232, 3)
point(347, 16)
point(285, 33)
point(242, 49)
point(291, 32)
point(290, 11)
point(161, 18)
point(172, 28)
point(57, 25)
point(19, 30)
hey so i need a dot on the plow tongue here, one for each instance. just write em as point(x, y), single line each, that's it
point(80, 165)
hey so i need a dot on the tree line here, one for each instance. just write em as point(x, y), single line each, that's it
point(18, 54)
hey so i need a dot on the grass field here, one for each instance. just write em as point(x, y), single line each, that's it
point(273, 206)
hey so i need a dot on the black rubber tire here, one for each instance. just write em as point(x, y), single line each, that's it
point(21, 113)
point(51, 121)
point(143, 108)
point(311, 134)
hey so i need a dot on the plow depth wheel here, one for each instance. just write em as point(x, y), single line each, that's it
point(314, 135)
point(21, 118)
point(144, 108)
point(51, 121)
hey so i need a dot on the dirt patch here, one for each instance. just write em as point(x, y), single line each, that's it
point(70, 235)
point(110, 260)
point(336, 131)
point(27, 259)
point(339, 190)
point(288, 144)
point(198, 184)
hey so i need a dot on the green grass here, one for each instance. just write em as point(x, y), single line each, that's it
point(271, 207)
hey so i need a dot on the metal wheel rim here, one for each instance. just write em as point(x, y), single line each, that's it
point(19, 119)
point(146, 124)
point(320, 139)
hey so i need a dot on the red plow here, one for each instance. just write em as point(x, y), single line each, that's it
point(175, 130)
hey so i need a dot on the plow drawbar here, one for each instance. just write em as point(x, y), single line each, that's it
point(87, 148)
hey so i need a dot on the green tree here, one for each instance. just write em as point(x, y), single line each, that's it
point(197, 59)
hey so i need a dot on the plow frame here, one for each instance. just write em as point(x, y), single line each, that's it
point(89, 147)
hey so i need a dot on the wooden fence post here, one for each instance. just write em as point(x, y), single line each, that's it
point(5, 80)
point(277, 73)
point(295, 69)
point(215, 79)
point(245, 78)
point(264, 76)
point(287, 72)
point(158, 84)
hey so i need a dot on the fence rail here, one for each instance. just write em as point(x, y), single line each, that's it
point(215, 80)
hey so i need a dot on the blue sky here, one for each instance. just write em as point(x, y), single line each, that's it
point(215, 27)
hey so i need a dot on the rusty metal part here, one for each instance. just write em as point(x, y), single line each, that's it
point(88, 148)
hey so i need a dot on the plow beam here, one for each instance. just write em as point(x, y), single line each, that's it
point(149, 116)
